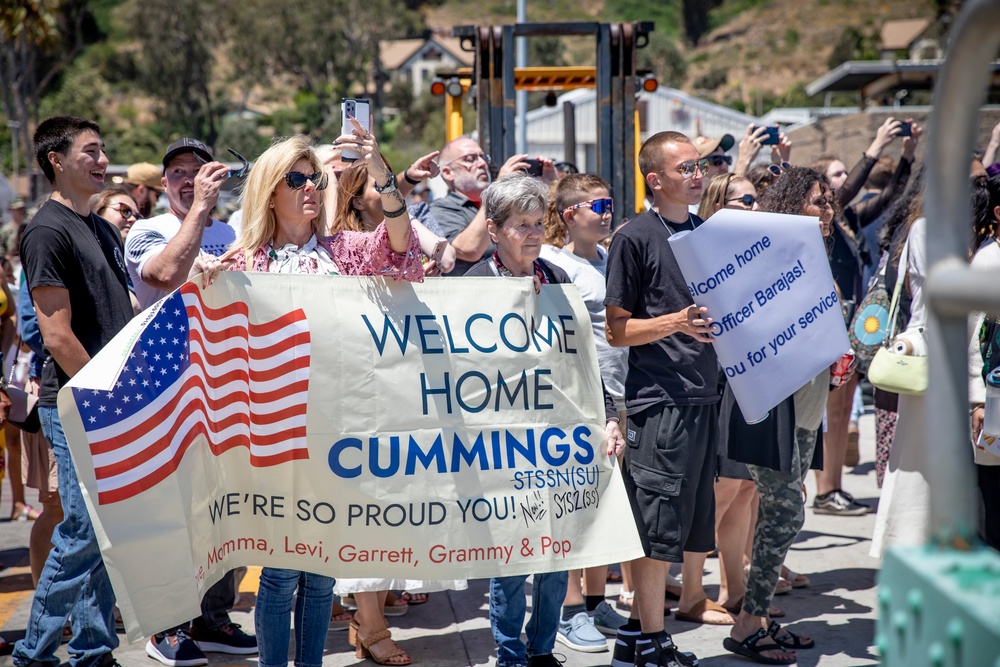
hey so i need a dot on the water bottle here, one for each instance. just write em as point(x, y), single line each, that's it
point(991, 419)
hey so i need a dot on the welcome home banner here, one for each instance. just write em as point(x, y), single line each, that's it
point(766, 281)
point(347, 426)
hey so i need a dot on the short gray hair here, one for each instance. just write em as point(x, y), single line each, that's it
point(514, 195)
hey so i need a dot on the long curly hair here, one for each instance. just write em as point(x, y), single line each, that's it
point(789, 193)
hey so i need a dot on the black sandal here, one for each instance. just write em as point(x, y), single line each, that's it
point(788, 639)
point(748, 649)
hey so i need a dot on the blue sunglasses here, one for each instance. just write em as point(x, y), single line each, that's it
point(598, 206)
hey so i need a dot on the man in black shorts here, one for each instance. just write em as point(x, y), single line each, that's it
point(671, 396)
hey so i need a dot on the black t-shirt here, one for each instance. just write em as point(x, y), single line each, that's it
point(83, 255)
point(644, 279)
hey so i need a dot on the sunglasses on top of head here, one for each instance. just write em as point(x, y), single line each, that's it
point(238, 173)
point(777, 169)
point(296, 180)
point(599, 206)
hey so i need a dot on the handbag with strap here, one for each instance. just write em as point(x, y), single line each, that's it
point(890, 369)
point(869, 329)
point(23, 406)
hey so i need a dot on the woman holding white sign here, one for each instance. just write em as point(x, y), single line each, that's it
point(515, 206)
point(283, 231)
point(779, 466)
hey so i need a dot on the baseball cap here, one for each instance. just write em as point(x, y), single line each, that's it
point(708, 146)
point(187, 145)
point(144, 173)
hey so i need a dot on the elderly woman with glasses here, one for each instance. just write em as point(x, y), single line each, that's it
point(515, 207)
point(283, 231)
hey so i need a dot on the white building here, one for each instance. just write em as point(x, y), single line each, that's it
point(664, 109)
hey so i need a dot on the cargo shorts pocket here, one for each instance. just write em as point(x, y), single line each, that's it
point(657, 495)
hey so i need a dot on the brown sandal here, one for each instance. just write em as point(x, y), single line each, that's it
point(367, 648)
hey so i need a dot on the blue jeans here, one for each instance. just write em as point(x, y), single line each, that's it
point(73, 581)
point(507, 608)
point(272, 617)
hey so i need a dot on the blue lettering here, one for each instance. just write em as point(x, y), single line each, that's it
point(527, 449)
point(425, 390)
point(561, 447)
point(387, 326)
point(334, 458)
point(540, 387)
point(468, 332)
point(521, 384)
point(427, 332)
point(476, 452)
point(373, 462)
point(503, 333)
point(415, 454)
point(580, 434)
point(551, 332)
point(567, 332)
point(486, 396)
point(451, 341)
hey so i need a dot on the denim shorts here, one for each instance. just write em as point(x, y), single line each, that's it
point(669, 472)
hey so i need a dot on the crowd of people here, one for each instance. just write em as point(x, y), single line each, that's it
point(699, 477)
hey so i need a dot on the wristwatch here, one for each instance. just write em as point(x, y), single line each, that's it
point(390, 185)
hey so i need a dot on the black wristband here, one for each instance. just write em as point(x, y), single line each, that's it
point(393, 214)
point(406, 177)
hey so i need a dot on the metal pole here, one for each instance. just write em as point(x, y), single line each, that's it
point(569, 133)
point(522, 95)
point(960, 90)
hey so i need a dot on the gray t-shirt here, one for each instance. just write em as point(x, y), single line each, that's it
point(454, 213)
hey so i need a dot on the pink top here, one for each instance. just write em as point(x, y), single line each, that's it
point(353, 254)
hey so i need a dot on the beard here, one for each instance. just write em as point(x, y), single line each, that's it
point(470, 184)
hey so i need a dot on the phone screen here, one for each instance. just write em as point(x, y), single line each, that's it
point(361, 110)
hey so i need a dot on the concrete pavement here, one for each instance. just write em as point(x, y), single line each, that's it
point(452, 629)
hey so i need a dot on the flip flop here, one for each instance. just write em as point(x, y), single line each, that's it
point(748, 649)
point(736, 607)
point(795, 579)
point(697, 613)
point(415, 598)
point(787, 639)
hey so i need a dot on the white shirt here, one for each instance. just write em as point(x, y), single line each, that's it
point(149, 237)
point(589, 278)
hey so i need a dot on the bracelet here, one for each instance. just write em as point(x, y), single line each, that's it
point(406, 177)
point(393, 214)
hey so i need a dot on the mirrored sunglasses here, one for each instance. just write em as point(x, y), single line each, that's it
point(598, 206)
point(688, 168)
point(747, 200)
point(296, 180)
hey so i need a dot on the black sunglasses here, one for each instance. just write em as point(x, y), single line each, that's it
point(719, 160)
point(238, 173)
point(296, 180)
point(748, 200)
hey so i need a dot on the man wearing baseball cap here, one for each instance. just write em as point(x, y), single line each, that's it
point(143, 182)
point(715, 150)
point(160, 251)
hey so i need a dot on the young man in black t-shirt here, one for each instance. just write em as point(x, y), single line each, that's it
point(74, 266)
point(671, 396)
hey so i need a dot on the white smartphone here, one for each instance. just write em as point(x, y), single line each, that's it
point(361, 110)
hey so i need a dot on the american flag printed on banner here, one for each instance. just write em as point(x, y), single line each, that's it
point(193, 371)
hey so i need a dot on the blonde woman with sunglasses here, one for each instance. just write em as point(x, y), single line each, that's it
point(727, 191)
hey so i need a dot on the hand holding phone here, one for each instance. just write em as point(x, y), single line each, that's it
point(905, 129)
point(360, 110)
point(771, 137)
point(534, 167)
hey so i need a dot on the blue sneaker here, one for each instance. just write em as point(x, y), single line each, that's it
point(175, 649)
point(579, 634)
point(606, 619)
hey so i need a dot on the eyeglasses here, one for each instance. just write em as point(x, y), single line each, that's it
point(598, 206)
point(747, 200)
point(822, 202)
point(471, 159)
point(777, 169)
point(124, 210)
point(238, 173)
point(296, 180)
point(719, 160)
point(687, 169)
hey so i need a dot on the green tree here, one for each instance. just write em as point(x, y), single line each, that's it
point(329, 48)
point(175, 63)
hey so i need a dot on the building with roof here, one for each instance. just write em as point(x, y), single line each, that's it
point(414, 62)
